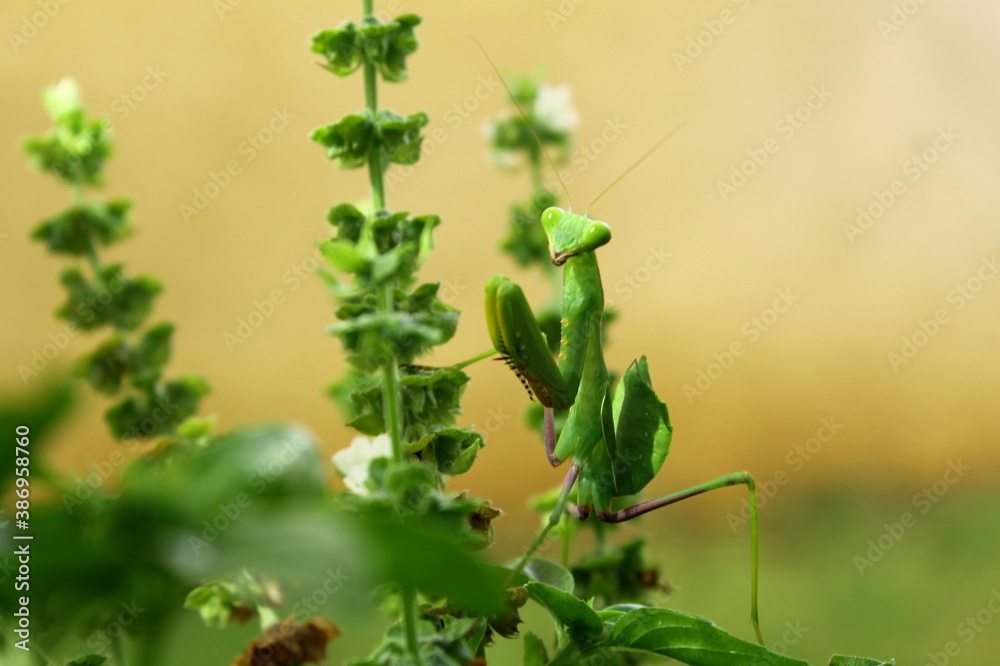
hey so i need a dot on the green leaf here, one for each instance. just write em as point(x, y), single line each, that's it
point(347, 141)
point(399, 43)
point(534, 651)
point(151, 353)
point(75, 149)
point(222, 603)
point(687, 638)
point(550, 573)
point(109, 299)
point(348, 220)
point(581, 620)
point(384, 44)
point(377, 339)
point(431, 401)
point(618, 575)
point(350, 140)
point(401, 138)
point(451, 450)
point(158, 412)
point(87, 660)
point(105, 367)
point(183, 395)
point(80, 229)
point(343, 256)
point(372, 548)
point(339, 47)
point(841, 660)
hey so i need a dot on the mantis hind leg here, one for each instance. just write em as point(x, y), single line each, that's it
point(738, 478)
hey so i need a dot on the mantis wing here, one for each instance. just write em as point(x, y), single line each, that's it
point(634, 455)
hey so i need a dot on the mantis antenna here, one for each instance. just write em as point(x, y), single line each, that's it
point(669, 135)
point(531, 127)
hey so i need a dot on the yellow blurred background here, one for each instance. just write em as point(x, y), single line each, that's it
point(828, 212)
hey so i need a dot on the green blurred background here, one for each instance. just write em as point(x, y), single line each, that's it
point(899, 92)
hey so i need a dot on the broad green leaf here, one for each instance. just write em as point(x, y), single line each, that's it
point(550, 573)
point(687, 638)
point(581, 620)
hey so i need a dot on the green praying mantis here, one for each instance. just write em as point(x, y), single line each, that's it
point(617, 439)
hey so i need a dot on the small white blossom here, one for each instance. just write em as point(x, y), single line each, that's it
point(353, 462)
point(554, 109)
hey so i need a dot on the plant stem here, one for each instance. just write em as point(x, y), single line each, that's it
point(390, 386)
point(554, 519)
point(391, 403)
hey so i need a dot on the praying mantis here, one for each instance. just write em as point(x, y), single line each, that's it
point(618, 439)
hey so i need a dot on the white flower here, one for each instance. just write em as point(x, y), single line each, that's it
point(554, 109)
point(353, 462)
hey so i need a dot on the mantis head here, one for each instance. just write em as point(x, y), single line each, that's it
point(570, 234)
